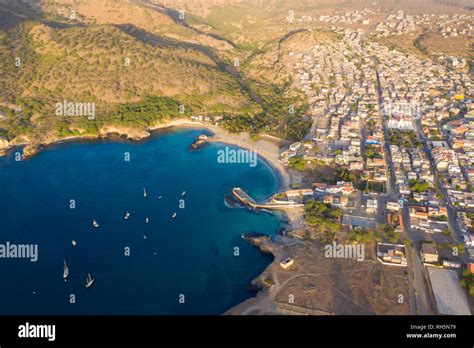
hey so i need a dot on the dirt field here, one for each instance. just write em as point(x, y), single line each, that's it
point(315, 284)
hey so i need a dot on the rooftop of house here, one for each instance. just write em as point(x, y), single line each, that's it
point(429, 248)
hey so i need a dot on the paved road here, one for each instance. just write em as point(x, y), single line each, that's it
point(452, 211)
point(420, 301)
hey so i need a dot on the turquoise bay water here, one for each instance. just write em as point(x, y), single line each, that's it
point(192, 254)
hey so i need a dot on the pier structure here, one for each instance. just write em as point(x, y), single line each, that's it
point(246, 199)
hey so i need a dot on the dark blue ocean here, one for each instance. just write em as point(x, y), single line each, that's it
point(192, 255)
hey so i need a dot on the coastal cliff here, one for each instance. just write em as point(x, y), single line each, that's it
point(32, 148)
point(263, 242)
point(263, 283)
point(135, 134)
point(266, 245)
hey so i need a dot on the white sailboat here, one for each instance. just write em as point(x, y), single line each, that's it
point(89, 281)
point(95, 224)
point(74, 243)
point(184, 192)
point(147, 220)
point(174, 215)
point(65, 271)
point(127, 215)
point(144, 192)
point(144, 237)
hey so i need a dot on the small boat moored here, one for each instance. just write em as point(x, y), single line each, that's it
point(89, 281)
point(95, 224)
point(65, 271)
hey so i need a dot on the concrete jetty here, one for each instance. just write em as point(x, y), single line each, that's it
point(246, 199)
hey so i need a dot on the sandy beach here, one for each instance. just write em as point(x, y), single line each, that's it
point(268, 147)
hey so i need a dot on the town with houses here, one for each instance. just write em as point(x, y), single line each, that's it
point(405, 126)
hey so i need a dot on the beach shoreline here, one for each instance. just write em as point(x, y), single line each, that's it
point(268, 147)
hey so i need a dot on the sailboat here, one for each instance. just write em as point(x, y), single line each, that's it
point(174, 215)
point(89, 281)
point(74, 243)
point(66, 271)
point(144, 192)
point(127, 215)
point(95, 224)
point(147, 220)
point(144, 236)
point(184, 192)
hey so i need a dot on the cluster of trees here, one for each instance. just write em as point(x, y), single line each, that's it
point(371, 124)
point(385, 232)
point(138, 114)
point(362, 236)
point(297, 163)
point(373, 152)
point(322, 215)
point(19, 123)
point(416, 186)
point(389, 233)
point(435, 134)
point(246, 123)
point(374, 186)
point(282, 116)
point(353, 176)
point(297, 127)
point(405, 138)
point(150, 109)
point(332, 174)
